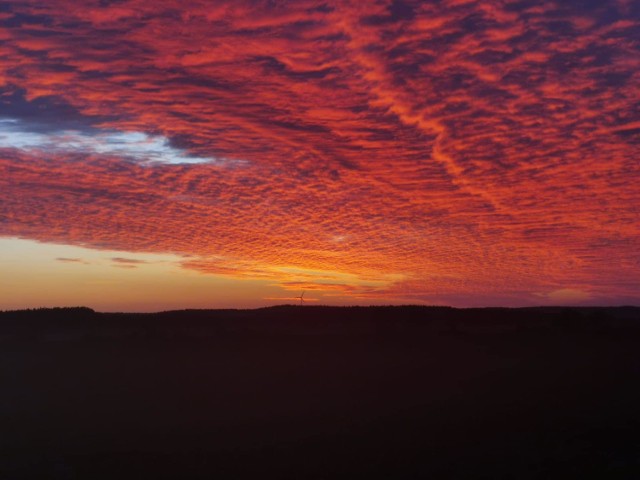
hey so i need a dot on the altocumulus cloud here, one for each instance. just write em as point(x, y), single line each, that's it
point(456, 151)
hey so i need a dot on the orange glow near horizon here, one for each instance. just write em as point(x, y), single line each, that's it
point(455, 152)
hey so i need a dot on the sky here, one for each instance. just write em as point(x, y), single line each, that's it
point(161, 155)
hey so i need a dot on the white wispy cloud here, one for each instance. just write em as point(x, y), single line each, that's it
point(137, 146)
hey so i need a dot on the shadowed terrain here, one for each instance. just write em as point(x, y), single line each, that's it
point(321, 392)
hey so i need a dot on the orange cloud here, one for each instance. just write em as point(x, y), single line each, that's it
point(465, 151)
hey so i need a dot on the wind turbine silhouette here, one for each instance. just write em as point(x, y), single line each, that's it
point(301, 297)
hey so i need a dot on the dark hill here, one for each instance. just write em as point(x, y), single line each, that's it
point(316, 392)
point(313, 320)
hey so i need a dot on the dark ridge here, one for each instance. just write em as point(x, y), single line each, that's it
point(315, 392)
point(83, 322)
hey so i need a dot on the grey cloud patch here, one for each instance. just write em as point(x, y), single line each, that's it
point(71, 260)
point(128, 261)
point(45, 114)
point(19, 20)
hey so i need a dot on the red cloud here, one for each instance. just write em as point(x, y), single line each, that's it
point(454, 150)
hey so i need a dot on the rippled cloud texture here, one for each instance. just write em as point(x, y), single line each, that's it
point(464, 152)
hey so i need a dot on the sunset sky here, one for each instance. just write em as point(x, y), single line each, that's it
point(162, 154)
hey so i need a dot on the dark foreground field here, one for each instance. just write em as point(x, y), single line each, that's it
point(321, 393)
